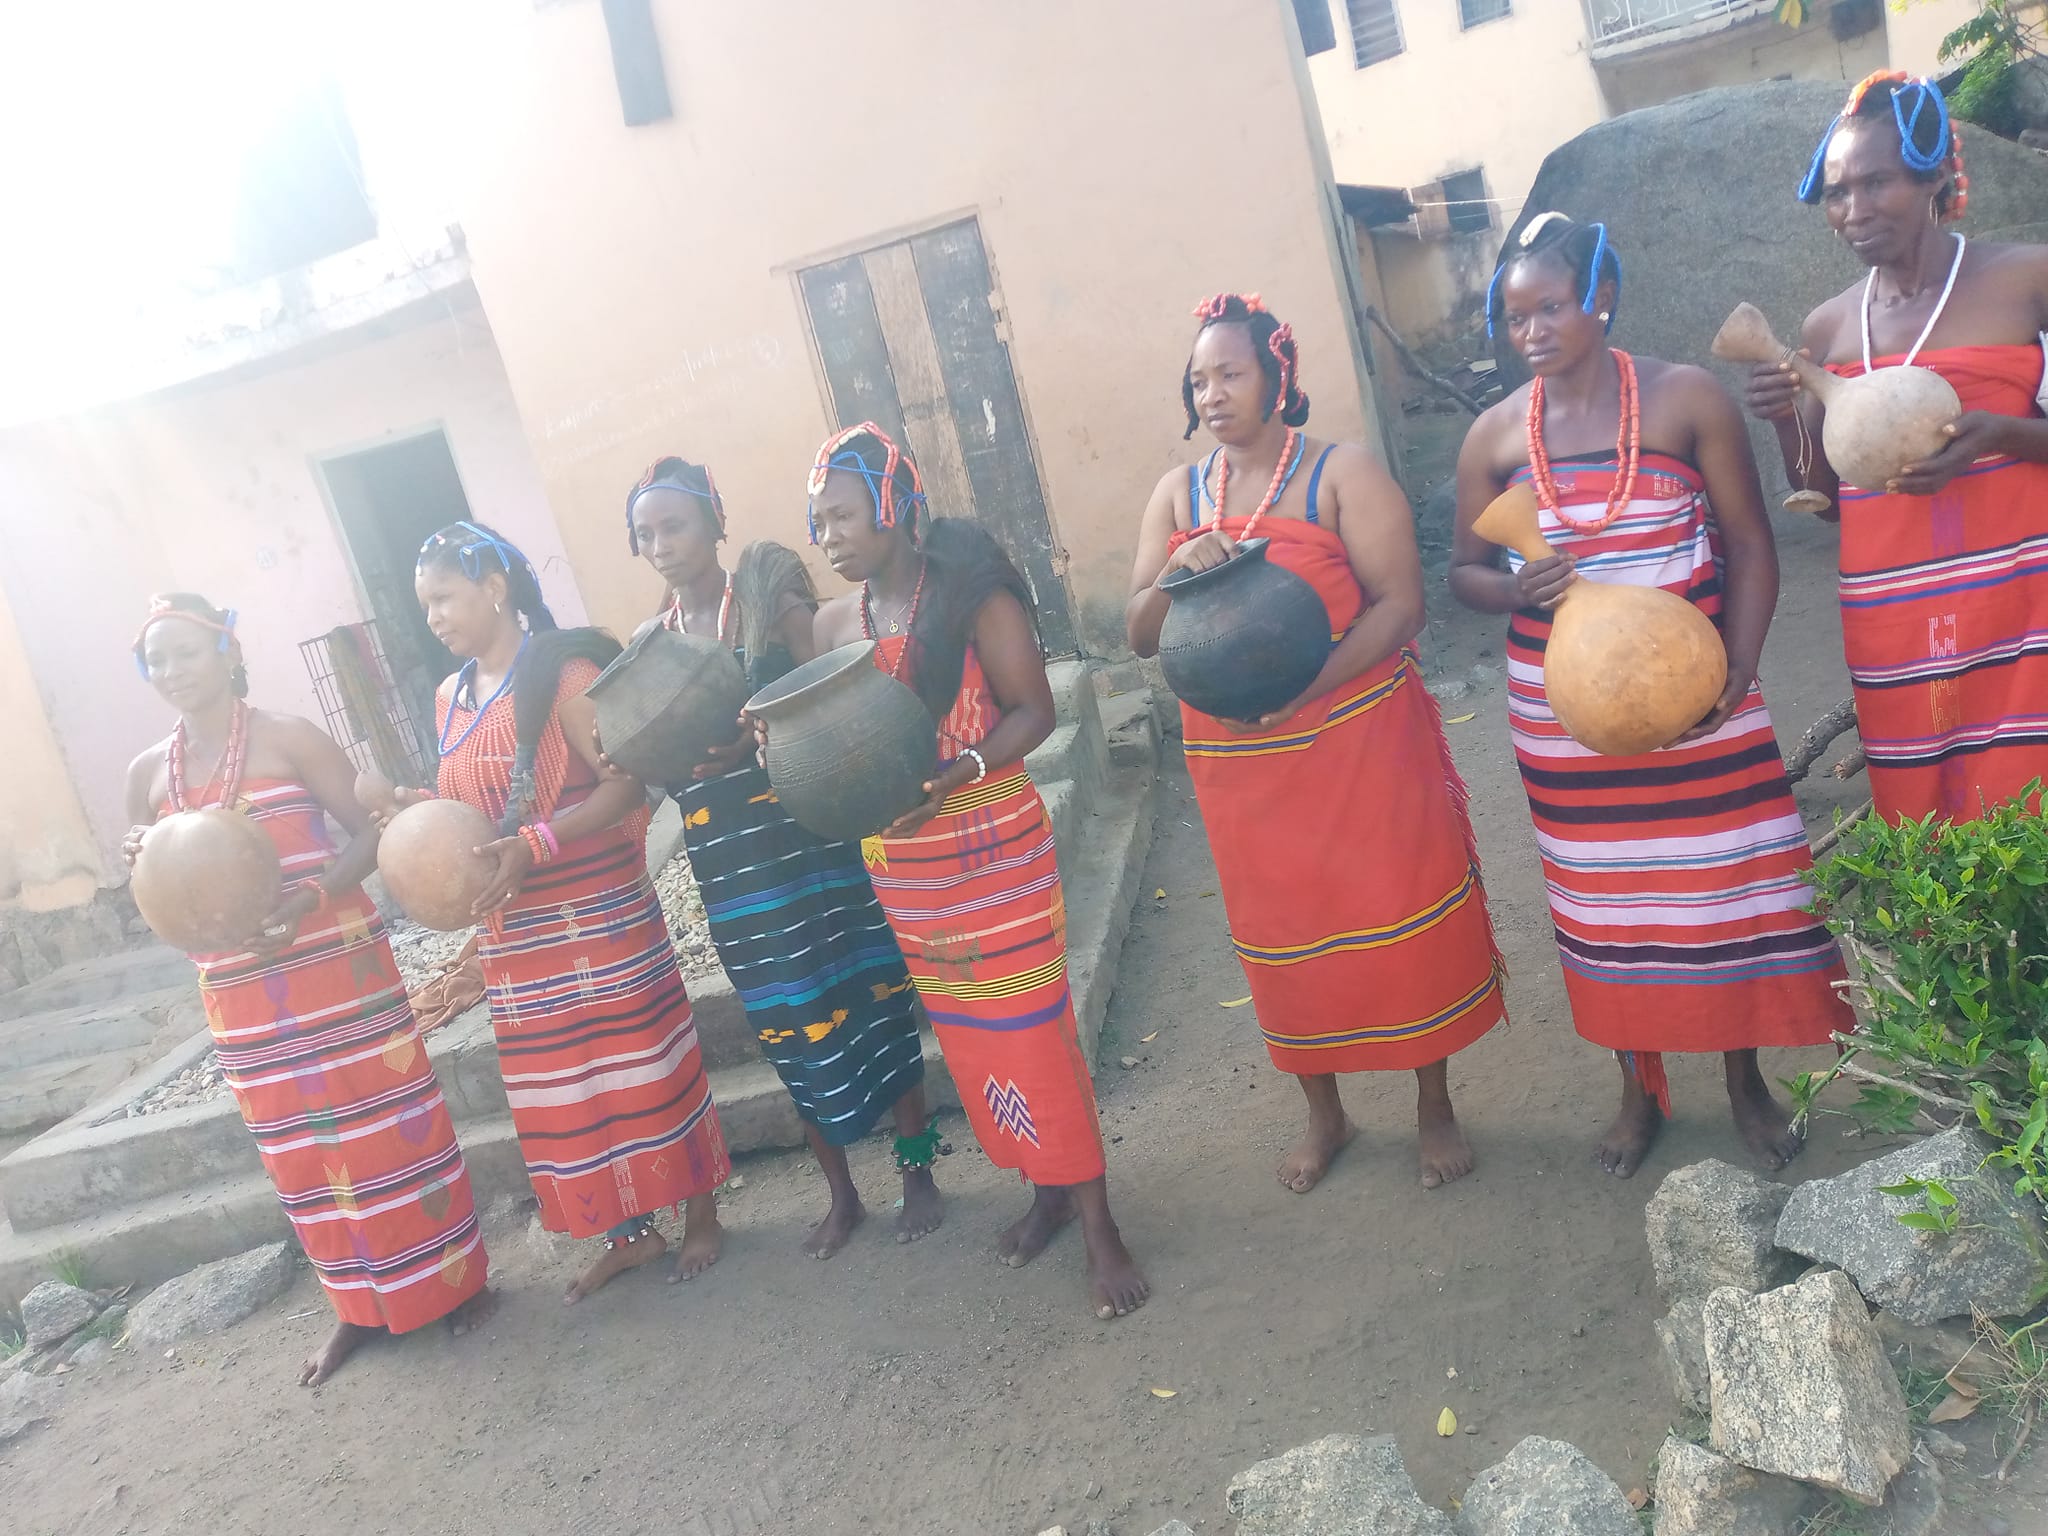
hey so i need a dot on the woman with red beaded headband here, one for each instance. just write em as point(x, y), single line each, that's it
point(1674, 876)
point(794, 918)
point(310, 1018)
point(969, 878)
point(1382, 960)
point(1944, 590)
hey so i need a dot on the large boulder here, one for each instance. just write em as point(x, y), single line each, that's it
point(54, 1311)
point(1546, 1488)
point(1991, 1261)
point(1683, 1333)
point(213, 1297)
point(1712, 1225)
point(1801, 1386)
point(1699, 197)
point(1701, 1494)
point(1338, 1486)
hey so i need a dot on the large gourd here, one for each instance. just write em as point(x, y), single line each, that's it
point(205, 880)
point(428, 859)
point(1627, 669)
point(1875, 424)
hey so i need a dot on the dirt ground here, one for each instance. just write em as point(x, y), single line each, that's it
point(927, 1389)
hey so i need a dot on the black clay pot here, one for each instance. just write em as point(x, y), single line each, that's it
point(1242, 638)
point(665, 702)
point(849, 747)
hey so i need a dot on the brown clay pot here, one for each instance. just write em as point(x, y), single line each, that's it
point(1875, 424)
point(849, 747)
point(1242, 638)
point(429, 863)
point(665, 702)
point(205, 879)
point(1627, 669)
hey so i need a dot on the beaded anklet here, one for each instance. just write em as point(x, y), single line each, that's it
point(921, 1150)
point(641, 1228)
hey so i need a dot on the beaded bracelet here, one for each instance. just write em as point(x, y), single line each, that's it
point(539, 842)
point(980, 764)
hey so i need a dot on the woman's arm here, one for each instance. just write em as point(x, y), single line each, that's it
point(1010, 660)
point(330, 778)
point(1477, 579)
point(1773, 393)
point(1146, 610)
point(616, 796)
point(141, 810)
point(1749, 582)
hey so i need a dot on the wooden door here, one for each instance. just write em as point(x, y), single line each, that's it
point(908, 336)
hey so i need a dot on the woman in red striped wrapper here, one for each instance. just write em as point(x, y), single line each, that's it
point(1381, 959)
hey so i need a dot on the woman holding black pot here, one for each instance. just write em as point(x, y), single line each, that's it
point(794, 919)
point(968, 876)
point(1336, 818)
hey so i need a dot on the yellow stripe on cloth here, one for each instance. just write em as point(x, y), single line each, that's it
point(974, 796)
point(995, 987)
point(1415, 1029)
point(1300, 741)
point(1365, 938)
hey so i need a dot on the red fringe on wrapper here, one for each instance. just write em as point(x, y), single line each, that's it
point(1648, 1067)
point(1461, 804)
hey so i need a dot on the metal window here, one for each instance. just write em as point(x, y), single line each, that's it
point(1473, 13)
point(1466, 209)
point(1318, 27)
point(1375, 30)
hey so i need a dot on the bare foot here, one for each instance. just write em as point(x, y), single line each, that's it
point(923, 1207)
point(468, 1317)
point(1446, 1154)
point(1626, 1142)
point(1765, 1124)
point(1116, 1288)
point(329, 1357)
point(1051, 1209)
point(830, 1235)
point(703, 1238)
point(613, 1262)
point(1303, 1167)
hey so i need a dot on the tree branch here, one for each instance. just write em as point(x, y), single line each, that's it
point(1414, 364)
point(1816, 738)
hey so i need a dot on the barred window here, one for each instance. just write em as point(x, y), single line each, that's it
point(1375, 30)
point(1472, 13)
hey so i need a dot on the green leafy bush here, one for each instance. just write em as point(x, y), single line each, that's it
point(1946, 927)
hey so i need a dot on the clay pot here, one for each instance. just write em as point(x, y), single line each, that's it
point(1242, 638)
point(849, 747)
point(1875, 424)
point(1627, 669)
point(205, 880)
point(665, 702)
point(429, 862)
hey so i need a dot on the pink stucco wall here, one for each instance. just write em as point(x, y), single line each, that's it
point(213, 488)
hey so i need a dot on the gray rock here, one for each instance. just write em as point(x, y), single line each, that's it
point(1683, 1333)
point(93, 1352)
point(1339, 1486)
point(1712, 1225)
point(1175, 1528)
point(213, 1297)
point(1701, 1494)
point(1990, 1261)
point(1546, 1488)
point(1940, 1349)
point(54, 1311)
point(1750, 144)
point(1916, 1505)
point(25, 1402)
point(1801, 1387)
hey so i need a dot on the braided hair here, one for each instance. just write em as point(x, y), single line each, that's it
point(1582, 250)
point(1272, 344)
point(966, 568)
point(191, 606)
point(671, 473)
point(476, 550)
point(1930, 143)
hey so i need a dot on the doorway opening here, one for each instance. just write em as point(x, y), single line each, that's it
point(388, 501)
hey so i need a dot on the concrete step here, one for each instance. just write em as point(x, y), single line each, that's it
point(35, 1098)
point(124, 977)
point(1073, 689)
point(71, 1033)
point(1130, 727)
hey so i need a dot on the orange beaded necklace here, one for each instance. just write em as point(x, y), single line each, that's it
point(1628, 451)
point(1283, 472)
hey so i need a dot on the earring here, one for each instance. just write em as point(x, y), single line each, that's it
point(1605, 317)
point(497, 607)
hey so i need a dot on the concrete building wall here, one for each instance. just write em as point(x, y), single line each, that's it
point(641, 281)
point(214, 488)
point(1764, 50)
point(48, 858)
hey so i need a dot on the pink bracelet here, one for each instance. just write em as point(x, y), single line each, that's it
point(539, 841)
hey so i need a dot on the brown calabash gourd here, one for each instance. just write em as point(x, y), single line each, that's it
point(205, 880)
point(1876, 424)
point(1627, 669)
point(430, 865)
point(375, 792)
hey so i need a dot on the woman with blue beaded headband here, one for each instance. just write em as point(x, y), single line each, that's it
point(794, 918)
point(598, 1050)
point(1674, 876)
point(1944, 571)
